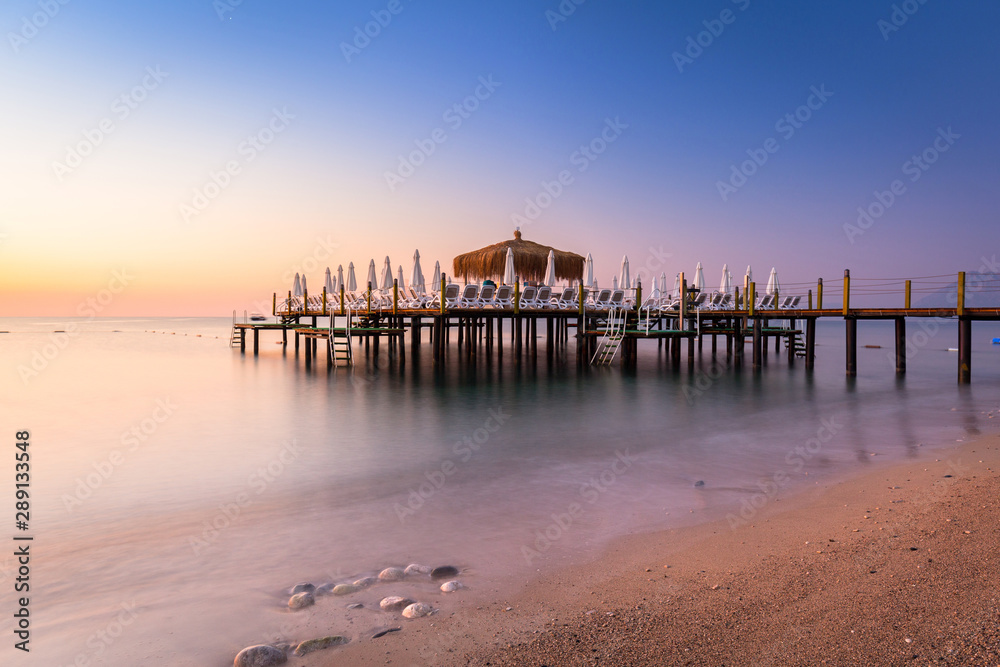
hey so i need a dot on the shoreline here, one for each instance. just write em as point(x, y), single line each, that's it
point(841, 574)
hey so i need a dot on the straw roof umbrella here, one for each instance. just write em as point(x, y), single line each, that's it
point(529, 261)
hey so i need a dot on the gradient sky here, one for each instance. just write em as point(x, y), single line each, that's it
point(317, 194)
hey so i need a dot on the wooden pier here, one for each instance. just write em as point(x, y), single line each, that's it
point(481, 332)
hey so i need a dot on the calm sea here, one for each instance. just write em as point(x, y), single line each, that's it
point(178, 488)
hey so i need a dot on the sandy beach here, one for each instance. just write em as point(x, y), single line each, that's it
point(894, 567)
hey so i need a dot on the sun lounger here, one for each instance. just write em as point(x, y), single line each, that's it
point(504, 297)
point(486, 296)
point(528, 297)
point(470, 297)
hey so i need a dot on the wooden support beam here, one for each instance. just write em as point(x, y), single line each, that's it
point(901, 345)
point(810, 343)
point(851, 325)
point(964, 350)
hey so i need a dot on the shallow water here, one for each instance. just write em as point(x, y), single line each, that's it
point(193, 484)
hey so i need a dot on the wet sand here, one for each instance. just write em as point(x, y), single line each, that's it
point(899, 566)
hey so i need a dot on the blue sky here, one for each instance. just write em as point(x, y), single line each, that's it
point(891, 89)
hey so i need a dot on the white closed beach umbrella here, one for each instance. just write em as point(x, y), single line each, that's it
point(386, 282)
point(726, 286)
point(436, 284)
point(508, 267)
point(550, 269)
point(589, 270)
point(297, 286)
point(699, 279)
point(677, 285)
point(417, 279)
point(772, 282)
point(340, 276)
point(372, 278)
point(305, 288)
point(624, 280)
point(352, 282)
point(749, 274)
point(399, 278)
point(655, 294)
point(663, 283)
point(328, 283)
point(614, 282)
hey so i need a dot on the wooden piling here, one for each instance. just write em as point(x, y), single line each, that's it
point(757, 343)
point(810, 343)
point(851, 325)
point(964, 350)
point(900, 345)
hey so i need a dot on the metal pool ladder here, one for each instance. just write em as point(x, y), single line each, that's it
point(611, 341)
point(340, 343)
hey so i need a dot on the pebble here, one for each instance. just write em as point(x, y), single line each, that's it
point(417, 609)
point(391, 574)
point(444, 571)
point(700, 482)
point(365, 582)
point(260, 656)
point(345, 589)
point(451, 586)
point(394, 603)
point(414, 568)
point(300, 600)
point(302, 588)
point(325, 589)
point(311, 645)
point(356, 605)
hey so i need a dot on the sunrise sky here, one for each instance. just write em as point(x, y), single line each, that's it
point(210, 150)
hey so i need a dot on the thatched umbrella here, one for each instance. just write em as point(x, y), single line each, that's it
point(529, 261)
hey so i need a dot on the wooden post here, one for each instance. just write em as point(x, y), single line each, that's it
point(441, 294)
point(810, 307)
point(901, 345)
point(751, 298)
point(746, 292)
point(960, 307)
point(852, 346)
point(847, 291)
point(964, 349)
point(638, 295)
point(906, 299)
point(395, 296)
point(324, 301)
point(341, 298)
point(757, 342)
point(791, 338)
point(810, 343)
point(819, 294)
point(243, 340)
point(682, 313)
point(581, 299)
point(305, 301)
point(369, 295)
point(517, 295)
point(274, 303)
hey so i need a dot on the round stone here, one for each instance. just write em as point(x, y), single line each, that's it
point(444, 571)
point(345, 589)
point(318, 644)
point(451, 586)
point(395, 603)
point(301, 600)
point(325, 589)
point(365, 582)
point(417, 609)
point(414, 568)
point(260, 656)
point(302, 588)
point(391, 574)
